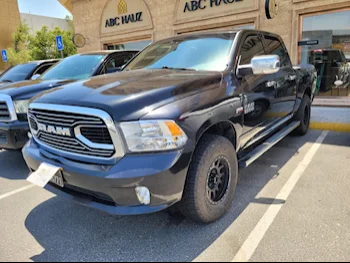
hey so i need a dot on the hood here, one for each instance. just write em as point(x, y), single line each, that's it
point(130, 95)
point(27, 89)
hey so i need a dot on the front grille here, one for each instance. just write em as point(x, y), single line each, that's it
point(56, 120)
point(96, 196)
point(97, 134)
point(4, 112)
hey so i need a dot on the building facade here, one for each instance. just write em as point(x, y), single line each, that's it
point(315, 31)
point(9, 21)
point(36, 22)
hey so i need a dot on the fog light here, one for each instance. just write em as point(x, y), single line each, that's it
point(144, 195)
point(30, 135)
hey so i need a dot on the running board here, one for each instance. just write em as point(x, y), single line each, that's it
point(267, 145)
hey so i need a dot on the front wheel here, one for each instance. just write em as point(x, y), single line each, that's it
point(303, 115)
point(211, 180)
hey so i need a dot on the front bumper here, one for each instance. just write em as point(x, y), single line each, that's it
point(13, 135)
point(112, 188)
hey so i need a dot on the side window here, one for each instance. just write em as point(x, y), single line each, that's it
point(42, 69)
point(275, 47)
point(251, 47)
point(116, 62)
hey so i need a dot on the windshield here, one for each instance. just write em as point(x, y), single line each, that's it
point(76, 67)
point(18, 73)
point(208, 53)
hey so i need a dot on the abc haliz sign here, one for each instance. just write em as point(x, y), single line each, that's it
point(194, 10)
point(125, 15)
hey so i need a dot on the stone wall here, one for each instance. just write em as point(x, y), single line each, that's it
point(9, 21)
point(87, 18)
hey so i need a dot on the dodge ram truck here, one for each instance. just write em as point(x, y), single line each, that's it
point(173, 128)
point(14, 98)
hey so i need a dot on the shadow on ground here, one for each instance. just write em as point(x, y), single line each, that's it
point(12, 165)
point(70, 232)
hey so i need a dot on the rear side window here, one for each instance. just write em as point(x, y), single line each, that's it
point(251, 47)
point(275, 47)
point(42, 69)
point(117, 62)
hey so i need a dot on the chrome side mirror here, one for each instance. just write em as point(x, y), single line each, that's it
point(264, 65)
point(260, 65)
point(35, 77)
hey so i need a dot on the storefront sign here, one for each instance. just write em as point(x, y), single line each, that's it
point(193, 10)
point(125, 15)
point(308, 43)
point(195, 5)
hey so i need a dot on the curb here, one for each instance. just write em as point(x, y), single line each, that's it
point(330, 126)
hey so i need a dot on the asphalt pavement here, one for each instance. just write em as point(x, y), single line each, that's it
point(293, 204)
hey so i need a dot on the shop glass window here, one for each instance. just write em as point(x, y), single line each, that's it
point(325, 44)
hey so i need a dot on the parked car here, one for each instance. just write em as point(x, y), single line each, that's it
point(173, 127)
point(14, 98)
point(26, 71)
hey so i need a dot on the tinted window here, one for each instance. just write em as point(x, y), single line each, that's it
point(42, 69)
point(75, 67)
point(117, 62)
point(274, 47)
point(209, 53)
point(251, 47)
point(18, 73)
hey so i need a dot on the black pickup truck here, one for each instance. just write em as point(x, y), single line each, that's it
point(14, 98)
point(173, 127)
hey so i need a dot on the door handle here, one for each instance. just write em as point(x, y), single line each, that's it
point(292, 77)
point(271, 84)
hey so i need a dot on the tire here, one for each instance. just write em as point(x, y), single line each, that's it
point(303, 115)
point(214, 157)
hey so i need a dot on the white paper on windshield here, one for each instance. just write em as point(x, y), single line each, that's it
point(43, 175)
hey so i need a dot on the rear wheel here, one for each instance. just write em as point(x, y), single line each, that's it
point(211, 180)
point(303, 115)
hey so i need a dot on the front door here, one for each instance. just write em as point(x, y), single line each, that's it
point(259, 92)
point(285, 81)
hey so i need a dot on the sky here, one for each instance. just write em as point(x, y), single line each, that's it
point(43, 7)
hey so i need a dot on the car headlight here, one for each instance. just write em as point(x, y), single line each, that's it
point(21, 106)
point(148, 136)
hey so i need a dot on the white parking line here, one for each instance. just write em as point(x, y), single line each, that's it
point(16, 191)
point(250, 245)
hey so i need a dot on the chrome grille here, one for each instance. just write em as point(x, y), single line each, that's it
point(97, 134)
point(4, 112)
point(94, 144)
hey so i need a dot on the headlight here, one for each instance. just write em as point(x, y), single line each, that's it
point(148, 136)
point(21, 106)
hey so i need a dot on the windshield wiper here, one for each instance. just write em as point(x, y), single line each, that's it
point(6, 80)
point(183, 69)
